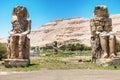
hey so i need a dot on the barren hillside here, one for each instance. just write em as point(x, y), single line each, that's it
point(67, 31)
point(74, 29)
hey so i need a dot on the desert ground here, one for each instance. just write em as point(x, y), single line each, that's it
point(74, 74)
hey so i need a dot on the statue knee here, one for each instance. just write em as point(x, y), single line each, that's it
point(21, 40)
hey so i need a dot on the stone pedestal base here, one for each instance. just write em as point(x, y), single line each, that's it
point(16, 62)
point(108, 61)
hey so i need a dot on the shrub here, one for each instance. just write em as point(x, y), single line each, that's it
point(118, 46)
point(75, 47)
point(3, 50)
point(63, 47)
point(49, 47)
point(46, 48)
point(87, 48)
point(80, 46)
point(71, 47)
point(32, 48)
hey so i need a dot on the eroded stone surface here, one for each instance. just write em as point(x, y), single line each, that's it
point(18, 42)
point(103, 40)
point(16, 62)
point(108, 61)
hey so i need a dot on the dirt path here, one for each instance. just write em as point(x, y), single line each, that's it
point(62, 75)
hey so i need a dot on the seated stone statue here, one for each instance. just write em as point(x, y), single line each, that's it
point(103, 40)
point(18, 42)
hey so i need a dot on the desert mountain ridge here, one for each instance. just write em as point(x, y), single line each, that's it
point(69, 30)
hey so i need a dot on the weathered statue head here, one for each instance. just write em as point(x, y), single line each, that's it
point(101, 11)
point(20, 12)
point(20, 19)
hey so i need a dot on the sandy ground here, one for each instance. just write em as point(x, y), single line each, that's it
point(62, 75)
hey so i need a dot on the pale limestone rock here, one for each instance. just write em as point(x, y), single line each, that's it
point(108, 61)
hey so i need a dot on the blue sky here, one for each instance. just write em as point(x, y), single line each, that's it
point(43, 11)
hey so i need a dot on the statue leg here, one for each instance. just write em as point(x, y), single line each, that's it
point(8, 48)
point(98, 48)
point(112, 45)
point(27, 46)
point(12, 47)
point(96, 51)
point(104, 44)
point(21, 46)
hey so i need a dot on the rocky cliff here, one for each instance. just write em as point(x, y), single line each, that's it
point(64, 30)
point(67, 31)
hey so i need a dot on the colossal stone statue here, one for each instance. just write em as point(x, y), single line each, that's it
point(18, 42)
point(103, 40)
point(55, 47)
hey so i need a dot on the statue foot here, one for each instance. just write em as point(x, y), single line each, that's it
point(12, 56)
point(105, 55)
point(112, 55)
point(20, 55)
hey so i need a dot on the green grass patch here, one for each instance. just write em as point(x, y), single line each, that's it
point(66, 53)
point(55, 63)
point(52, 61)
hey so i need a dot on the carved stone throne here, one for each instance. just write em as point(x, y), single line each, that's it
point(18, 42)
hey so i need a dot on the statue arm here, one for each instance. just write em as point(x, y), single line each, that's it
point(14, 34)
point(11, 32)
point(28, 28)
point(24, 33)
